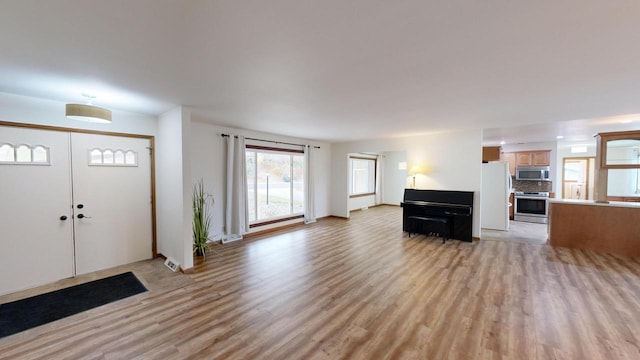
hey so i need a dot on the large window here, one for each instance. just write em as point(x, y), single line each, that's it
point(275, 182)
point(363, 176)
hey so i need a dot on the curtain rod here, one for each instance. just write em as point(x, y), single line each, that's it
point(369, 154)
point(271, 141)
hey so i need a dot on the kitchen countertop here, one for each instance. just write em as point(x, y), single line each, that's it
point(593, 203)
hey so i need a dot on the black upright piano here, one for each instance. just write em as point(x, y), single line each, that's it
point(456, 206)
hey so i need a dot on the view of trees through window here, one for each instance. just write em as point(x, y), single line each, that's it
point(275, 182)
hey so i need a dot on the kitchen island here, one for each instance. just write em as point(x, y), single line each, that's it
point(612, 227)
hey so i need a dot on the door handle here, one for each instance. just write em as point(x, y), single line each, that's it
point(63, 217)
point(82, 216)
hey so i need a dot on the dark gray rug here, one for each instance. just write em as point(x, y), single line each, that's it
point(27, 313)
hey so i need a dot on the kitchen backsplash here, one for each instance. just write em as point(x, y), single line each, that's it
point(527, 185)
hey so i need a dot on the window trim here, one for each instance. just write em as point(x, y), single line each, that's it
point(274, 149)
point(375, 176)
point(604, 138)
point(292, 216)
point(276, 220)
point(361, 195)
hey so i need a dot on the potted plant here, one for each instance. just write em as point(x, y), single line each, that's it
point(201, 218)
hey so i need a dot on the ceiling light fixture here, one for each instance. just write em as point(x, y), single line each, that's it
point(88, 112)
point(559, 137)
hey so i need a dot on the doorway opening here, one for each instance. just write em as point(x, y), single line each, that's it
point(578, 178)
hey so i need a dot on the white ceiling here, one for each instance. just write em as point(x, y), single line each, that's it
point(334, 70)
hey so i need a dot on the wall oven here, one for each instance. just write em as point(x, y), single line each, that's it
point(531, 207)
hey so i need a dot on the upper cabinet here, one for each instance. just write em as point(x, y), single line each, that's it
point(541, 158)
point(523, 158)
point(491, 153)
point(617, 165)
point(526, 158)
point(510, 157)
point(620, 150)
point(533, 158)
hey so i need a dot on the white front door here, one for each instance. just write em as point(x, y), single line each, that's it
point(112, 201)
point(36, 225)
point(71, 204)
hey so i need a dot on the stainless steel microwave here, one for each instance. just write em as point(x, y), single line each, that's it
point(533, 173)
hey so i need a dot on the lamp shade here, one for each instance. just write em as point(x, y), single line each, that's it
point(416, 169)
point(88, 113)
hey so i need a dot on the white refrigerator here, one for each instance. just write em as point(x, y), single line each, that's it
point(494, 198)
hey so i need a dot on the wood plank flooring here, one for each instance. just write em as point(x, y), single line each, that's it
point(519, 231)
point(361, 289)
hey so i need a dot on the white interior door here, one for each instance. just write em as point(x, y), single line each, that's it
point(36, 245)
point(112, 201)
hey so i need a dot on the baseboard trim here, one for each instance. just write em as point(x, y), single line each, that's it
point(372, 206)
point(265, 231)
point(338, 217)
point(186, 271)
point(285, 226)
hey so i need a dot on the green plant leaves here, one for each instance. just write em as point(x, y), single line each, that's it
point(201, 217)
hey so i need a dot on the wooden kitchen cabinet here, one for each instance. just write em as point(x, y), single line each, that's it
point(540, 158)
point(523, 158)
point(490, 153)
point(510, 157)
point(528, 158)
point(611, 228)
point(511, 208)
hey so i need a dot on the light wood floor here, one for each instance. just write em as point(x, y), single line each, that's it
point(361, 289)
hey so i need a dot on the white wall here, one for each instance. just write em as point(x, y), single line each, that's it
point(453, 159)
point(394, 180)
point(208, 159)
point(361, 202)
point(29, 110)
point(173, 186)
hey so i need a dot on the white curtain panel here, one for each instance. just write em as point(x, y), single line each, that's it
point(379, 179)
point(236, 212)
point(309, 202)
